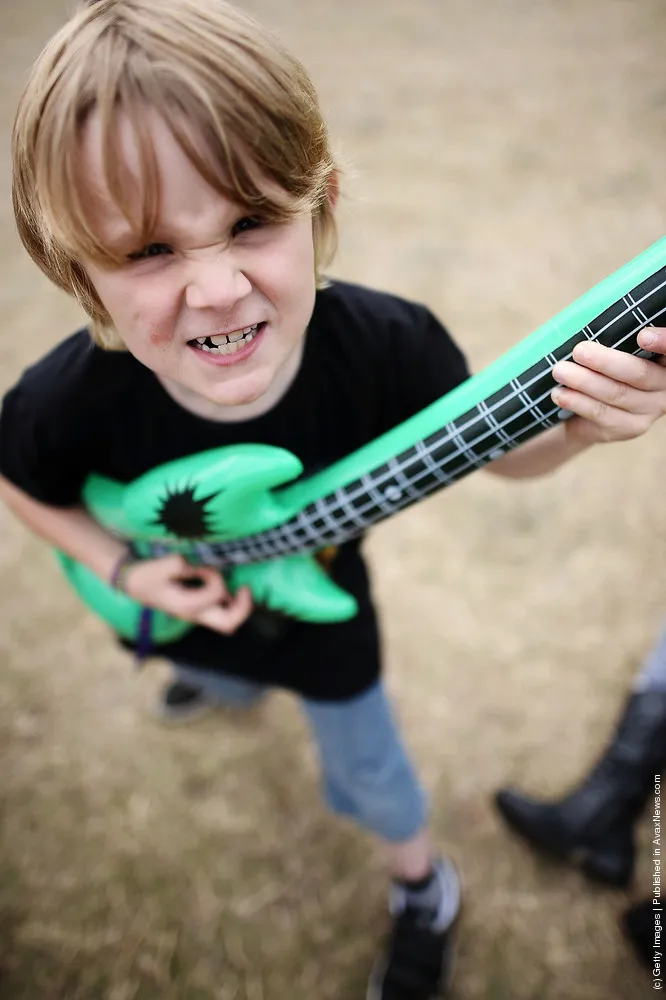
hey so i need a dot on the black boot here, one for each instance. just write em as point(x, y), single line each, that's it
point(594, 825)
point(639, 925)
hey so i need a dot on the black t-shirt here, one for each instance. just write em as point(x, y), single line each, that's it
point(371, 360)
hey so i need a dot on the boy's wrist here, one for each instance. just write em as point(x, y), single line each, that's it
point(121, 568)
point(575, 436)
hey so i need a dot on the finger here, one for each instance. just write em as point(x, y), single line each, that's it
point(612, 424)
point(175, 565)
point(653, 338)
point(217, 619)
point(206, 574)
point(227, 620)
point(605, 390)
point(641, 373)
point(188, 575)
point(202, 580)
point(212, 592)
point(240, 604)
point(637, 372)
point(243, 598)
point(212, 575)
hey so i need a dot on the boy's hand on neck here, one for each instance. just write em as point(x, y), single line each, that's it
point(163, 584)
point(610, 396)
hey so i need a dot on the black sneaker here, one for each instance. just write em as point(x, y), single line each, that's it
point(181, 702)
point(419, 957)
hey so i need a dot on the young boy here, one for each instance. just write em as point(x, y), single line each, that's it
point(172, 170)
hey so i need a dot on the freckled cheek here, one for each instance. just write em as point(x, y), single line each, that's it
point(146, 331)
point(160, 337)
point(155, 323)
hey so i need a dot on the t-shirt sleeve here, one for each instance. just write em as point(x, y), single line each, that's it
point(427, 363)
point(41, 450)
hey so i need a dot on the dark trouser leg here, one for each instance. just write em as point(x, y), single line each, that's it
point(593, 825)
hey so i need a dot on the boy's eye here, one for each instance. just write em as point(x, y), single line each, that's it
point(245, 224)
point(152, 250)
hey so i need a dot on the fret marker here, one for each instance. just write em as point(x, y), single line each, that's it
point(392, 493)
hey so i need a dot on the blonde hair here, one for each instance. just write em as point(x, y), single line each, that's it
point(240, 106)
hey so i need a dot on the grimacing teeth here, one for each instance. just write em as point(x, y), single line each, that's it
point(227, 343)
point(219, 339)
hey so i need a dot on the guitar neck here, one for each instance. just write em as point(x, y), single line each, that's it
point(518, 410)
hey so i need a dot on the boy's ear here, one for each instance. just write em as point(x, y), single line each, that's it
point(333, 188)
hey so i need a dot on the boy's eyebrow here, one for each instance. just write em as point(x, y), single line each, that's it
point(121, 239)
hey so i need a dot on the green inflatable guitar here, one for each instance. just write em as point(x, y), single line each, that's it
point(233, 508)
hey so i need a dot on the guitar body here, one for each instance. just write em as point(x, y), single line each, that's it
point(117, 609)
point(231, 507)
point(213, 494)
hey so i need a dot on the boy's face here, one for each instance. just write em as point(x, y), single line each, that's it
point(218, 304)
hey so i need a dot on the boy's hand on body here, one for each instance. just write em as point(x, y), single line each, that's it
point(615, 396)
point(158, 583)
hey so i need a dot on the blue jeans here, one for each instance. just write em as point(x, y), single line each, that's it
point(653, 671)
point(367, 775)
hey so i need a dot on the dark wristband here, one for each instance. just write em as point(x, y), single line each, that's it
point(120, 570)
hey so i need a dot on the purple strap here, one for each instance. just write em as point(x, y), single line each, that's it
point(145, 639)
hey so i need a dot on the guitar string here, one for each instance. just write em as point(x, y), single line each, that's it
point(324, 509)
point(300, 534)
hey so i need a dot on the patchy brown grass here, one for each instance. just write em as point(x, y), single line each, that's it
point(506, 156)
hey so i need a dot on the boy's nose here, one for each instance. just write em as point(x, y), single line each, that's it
point(216, 283)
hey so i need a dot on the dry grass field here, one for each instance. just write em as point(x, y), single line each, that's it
point(502, 157)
